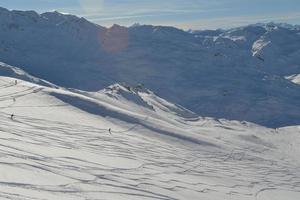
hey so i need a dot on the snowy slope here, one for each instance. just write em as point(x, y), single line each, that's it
point(58, 147)
point(235, 74)
point(15, 72)
point(294, 78)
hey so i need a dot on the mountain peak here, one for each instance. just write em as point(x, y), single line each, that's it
point(124, 89)
point(280, 25)
point(59, 18)
point(3, 10)
point(117, 26)
point(17, 17)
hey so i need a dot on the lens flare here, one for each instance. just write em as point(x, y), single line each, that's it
point(115, 39)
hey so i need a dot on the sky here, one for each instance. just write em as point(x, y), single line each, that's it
point(185, 14)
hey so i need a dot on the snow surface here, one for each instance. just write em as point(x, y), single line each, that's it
point(128, 142)
point(294, 78)
point(58, 146)
point(15, 72)
point(235, 74)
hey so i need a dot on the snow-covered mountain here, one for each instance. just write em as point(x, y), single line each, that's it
point(125, 142)
point(98, 132)
point(235, 74)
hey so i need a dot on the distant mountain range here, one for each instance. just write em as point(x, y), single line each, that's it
point(248, 73)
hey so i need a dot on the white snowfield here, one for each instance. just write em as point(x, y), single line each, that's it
point(125, 143)
point(294, 78)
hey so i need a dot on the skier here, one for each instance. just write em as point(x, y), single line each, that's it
point(109, 130)
point(14, 99)
point(12, 116)
point(225, 93)
point(16, 82)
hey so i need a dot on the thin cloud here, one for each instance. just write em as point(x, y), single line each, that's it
point(226, 22)
point(143, 13)
point(195, 14)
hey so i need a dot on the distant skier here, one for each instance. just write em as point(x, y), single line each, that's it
point(12, 116)
point(225, 93)
point(14, 99)
point(109, 130)
point(16, 82)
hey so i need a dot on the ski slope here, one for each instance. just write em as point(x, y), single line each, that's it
point(57, 146)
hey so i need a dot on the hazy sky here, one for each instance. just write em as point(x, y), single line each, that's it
point(195, 14)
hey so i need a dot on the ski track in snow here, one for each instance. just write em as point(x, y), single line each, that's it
point(47, 159)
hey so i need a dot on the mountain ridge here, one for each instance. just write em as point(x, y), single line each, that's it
point(237, 74)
